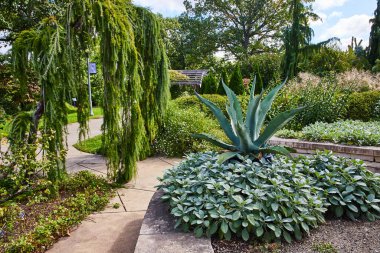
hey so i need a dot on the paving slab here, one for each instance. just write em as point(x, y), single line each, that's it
point(135, 199)
point(102, 233)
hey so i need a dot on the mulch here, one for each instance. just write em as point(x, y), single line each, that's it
point(345, 236)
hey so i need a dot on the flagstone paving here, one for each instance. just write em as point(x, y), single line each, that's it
point(114, 229)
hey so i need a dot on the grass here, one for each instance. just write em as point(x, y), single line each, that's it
point(98, 113)
point(92, 145)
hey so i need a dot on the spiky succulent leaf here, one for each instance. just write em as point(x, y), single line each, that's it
point(265, 106)
point(246, 142)
point(252, 115)
point(276, 124)
point(234, 106)
point(278, 150)
point(223, 121)
point(226, 156)
point(215, 141)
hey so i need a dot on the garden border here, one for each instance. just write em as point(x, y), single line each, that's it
point(157, 233)
point(371, 155)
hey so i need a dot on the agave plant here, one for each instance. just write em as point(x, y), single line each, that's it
point(245, 134)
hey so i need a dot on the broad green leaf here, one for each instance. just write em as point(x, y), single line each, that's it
point(198, 232)
point(245, 234)
point(277, 232)
point(213, 228)
point(353, 208)
point(251, 219)
point(226, 156)
point(259, 231)
point(224, 227)
point(287, 237)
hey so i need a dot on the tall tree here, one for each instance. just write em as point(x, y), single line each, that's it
point(374, 39)
point(135, 76)
point(244, 27)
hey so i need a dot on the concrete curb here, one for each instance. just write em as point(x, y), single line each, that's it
point(371, 155)
point(157, 233)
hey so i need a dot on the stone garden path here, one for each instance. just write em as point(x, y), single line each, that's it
point(114, 229)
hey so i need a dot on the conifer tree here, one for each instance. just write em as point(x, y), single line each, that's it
point(223, 78)
point(236, 82)
point(374, 39)
point(209, 84)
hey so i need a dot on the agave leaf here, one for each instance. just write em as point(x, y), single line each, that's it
point(276, 150)
point(235, 111)
point(265, 105)
point(226, 156)
point(246, 144)
point(252, 115)
point(215, 141)
point(276, 124)
point(223, 121)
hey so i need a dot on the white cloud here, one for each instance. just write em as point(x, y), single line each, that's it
point(356, 25)
point(162, 6)
point(328, 4)
point(336, 14)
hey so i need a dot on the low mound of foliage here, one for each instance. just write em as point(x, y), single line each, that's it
point(174, 138)
point(270, 201)
point(348, 132)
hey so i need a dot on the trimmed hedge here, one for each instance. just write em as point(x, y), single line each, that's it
point(361, 105)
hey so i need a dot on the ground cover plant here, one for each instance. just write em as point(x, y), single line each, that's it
point(350, 132)
point(284, 199)
point(36, 219)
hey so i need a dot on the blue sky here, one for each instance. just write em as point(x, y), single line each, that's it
point(340, 18)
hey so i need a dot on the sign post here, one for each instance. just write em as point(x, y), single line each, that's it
point(91, 70)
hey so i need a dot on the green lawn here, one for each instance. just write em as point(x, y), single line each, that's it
point(98, 113)
point(91, 145)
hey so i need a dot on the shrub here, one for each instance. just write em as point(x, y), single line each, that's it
point(361, 105)
point(223, 78)
point(345, 132)
point(174, 138)
point(267, 66)
point(236, 81)
point(177, 91)
point(269, 201)
point(209, 84)
point(324, 99)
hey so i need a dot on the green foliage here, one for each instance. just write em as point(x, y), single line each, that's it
point(374, 38)
point(324, 101)
point(348, 132)
point(177, 91)
point(246, 135)
point(174, 138)
point(268, 201)
point(134, 69)
point(328, 59)
point(209, 84)
point(324, 247)
point(70, 108)
point(223, 78)
point(267, 66)
point(361, 106)
point(236, 81)
point(82, 194)
point(92, 145)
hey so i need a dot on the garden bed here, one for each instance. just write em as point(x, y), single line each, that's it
point(332, 237)
point(32, 222)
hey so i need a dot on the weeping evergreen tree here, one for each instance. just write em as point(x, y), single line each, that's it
point(135, 74)
point(297, 38)
point(374, 39)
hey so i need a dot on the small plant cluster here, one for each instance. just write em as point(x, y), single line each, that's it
point(269, 201)
point(174, 138)
point(30, 226)
point(350, 132)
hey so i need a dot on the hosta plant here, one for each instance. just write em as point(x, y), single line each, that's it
point(283, 199)
point(246, 134)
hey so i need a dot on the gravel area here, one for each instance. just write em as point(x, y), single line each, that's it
point(340, 235)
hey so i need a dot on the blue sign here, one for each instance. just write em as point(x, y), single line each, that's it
point(92, 68)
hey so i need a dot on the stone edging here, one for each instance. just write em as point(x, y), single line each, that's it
point(371, 155)
point(157, 233)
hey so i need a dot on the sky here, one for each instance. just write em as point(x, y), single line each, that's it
point(339, 18)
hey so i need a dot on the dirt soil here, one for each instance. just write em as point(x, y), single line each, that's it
point(345, 236)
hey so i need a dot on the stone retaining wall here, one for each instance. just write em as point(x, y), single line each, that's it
point(371, 155)
point(157, 233)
